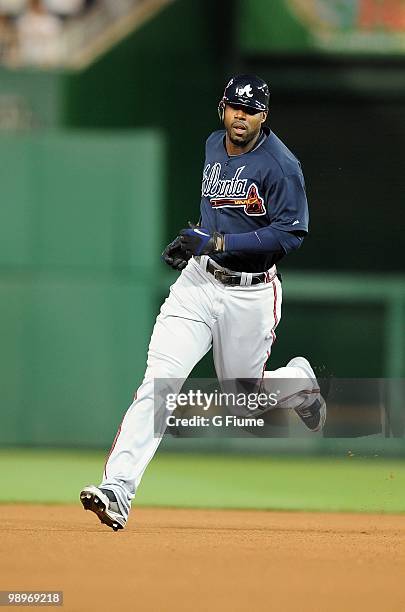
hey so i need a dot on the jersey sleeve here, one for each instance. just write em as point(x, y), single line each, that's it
point(287, 204)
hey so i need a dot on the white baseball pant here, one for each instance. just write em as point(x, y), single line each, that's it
point(238, 322)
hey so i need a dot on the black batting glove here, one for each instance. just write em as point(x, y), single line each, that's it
point(175, 256)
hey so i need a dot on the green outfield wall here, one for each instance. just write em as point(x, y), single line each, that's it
point(80, 236)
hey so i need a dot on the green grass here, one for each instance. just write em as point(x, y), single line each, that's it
point(183, 480)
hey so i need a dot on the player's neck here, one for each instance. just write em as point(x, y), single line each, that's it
point(233, 149)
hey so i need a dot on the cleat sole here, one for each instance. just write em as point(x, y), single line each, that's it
point(91, 501)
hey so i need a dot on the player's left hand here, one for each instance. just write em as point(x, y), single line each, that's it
point(198, 241)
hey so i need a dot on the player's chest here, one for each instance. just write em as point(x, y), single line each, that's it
point(229, 184)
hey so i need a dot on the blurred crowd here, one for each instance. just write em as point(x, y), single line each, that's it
point(31, 30)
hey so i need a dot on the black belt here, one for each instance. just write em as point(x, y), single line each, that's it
point(226, 278)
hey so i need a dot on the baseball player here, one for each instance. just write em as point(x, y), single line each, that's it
point(253, 213)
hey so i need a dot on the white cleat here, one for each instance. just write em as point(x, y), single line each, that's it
point(314, 417)
point(96, 500)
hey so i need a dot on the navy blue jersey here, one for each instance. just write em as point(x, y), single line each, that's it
point(243, 193)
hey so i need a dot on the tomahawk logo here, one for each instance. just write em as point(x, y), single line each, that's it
point(245, 91)
point(252, 203)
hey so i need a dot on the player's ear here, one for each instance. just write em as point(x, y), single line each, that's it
point(264, 113)
point(221, 111)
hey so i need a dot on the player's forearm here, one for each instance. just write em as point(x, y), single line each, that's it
point(264, 240)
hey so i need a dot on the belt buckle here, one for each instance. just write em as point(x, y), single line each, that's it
point(219, 274)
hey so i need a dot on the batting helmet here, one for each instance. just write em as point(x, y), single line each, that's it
point(245, 90)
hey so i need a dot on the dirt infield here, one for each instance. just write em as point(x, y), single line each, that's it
point(178, 560)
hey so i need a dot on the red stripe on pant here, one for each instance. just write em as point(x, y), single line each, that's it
point(275, 305)
point(274, 326)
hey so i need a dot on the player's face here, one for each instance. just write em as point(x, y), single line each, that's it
point(242, 124)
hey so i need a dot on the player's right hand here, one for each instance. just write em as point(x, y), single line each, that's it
point(175, 256)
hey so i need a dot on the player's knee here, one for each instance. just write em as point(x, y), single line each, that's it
point(166, 368)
